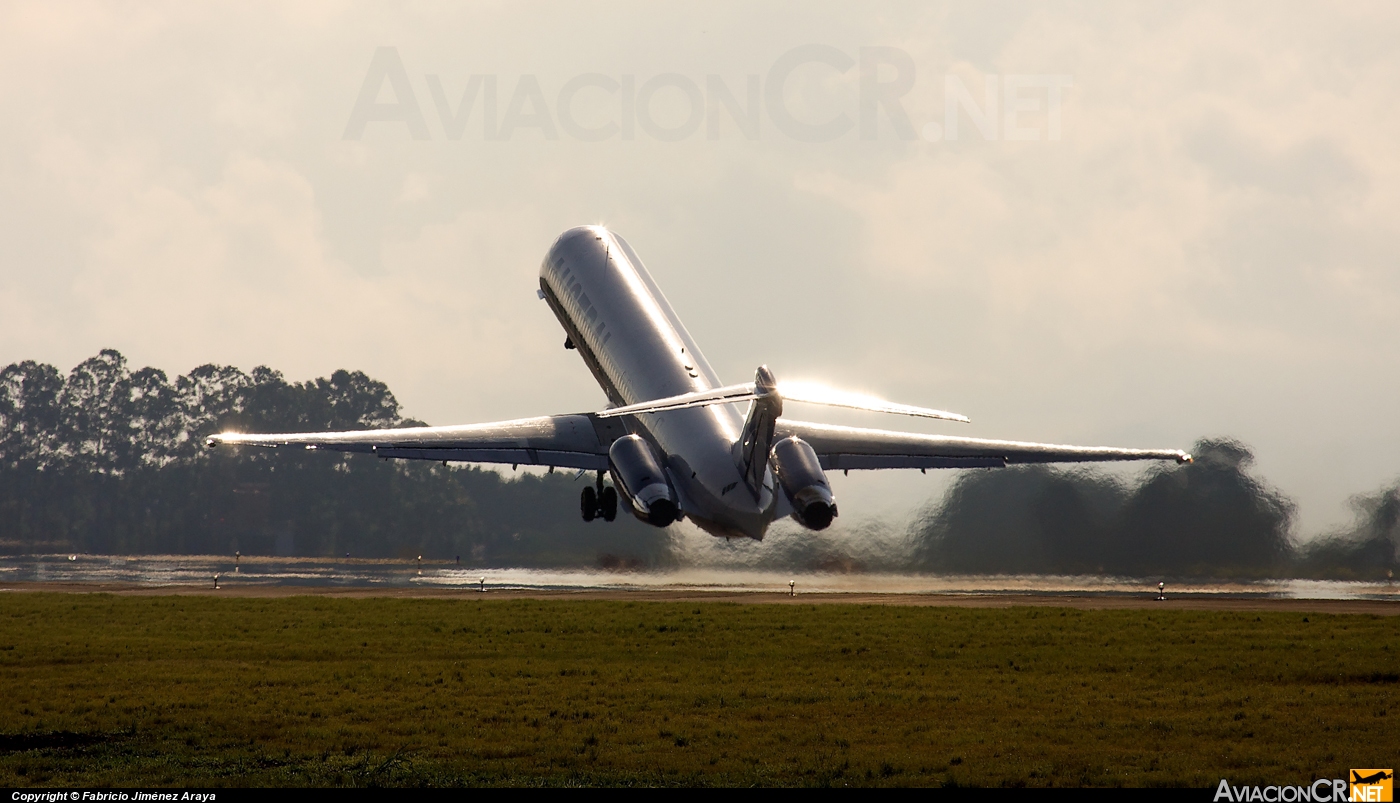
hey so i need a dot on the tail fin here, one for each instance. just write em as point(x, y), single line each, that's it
point(757, 440)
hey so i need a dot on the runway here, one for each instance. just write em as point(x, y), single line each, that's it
point(261, 576)
point(1079, 601)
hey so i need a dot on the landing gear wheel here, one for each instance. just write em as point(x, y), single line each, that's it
point(608, 503)
point(588, 504)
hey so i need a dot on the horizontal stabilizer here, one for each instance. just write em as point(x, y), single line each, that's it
point(724, 395)
point(818, 394)
point(789, 391)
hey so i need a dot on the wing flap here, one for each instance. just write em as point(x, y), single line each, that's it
point(854, 462)
point(845, 448)
point(524, 457)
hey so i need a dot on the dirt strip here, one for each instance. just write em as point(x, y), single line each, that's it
point(1084, 601)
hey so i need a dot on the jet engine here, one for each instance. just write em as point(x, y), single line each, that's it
point(801, 476)
point(639, 475)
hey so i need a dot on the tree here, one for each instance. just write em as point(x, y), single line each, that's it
point(29, 413)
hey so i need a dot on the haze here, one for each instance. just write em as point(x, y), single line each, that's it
point(1200, 240)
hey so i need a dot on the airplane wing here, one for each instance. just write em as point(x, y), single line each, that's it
point(845, 448)
point(567, 441)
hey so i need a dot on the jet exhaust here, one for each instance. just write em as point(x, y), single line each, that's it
point(642, 481)
point(802, 479)
point(1210, 516)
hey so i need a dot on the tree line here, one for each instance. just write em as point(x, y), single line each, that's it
point(1212, 517)
point(110, 460)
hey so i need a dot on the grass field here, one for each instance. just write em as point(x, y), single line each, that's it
point(107, 690)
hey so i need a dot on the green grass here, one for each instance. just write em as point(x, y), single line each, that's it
point(103, 690)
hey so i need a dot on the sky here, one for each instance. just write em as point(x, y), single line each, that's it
point(1081, 223)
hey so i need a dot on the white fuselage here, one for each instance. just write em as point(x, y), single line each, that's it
point(638, 350)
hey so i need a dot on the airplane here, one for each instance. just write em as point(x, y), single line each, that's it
point(1379, 775)
point(673, 439)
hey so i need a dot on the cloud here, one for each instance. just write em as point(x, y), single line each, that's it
point(1210, 246)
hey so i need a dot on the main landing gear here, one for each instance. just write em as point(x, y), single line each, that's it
point(598, 501)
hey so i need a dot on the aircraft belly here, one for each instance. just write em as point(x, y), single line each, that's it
point(631, 340)
point(702, 468)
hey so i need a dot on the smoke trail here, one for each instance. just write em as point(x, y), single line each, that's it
point(1207, 518)
point(1025, 519)
point(867, 545)
point(1370, 549)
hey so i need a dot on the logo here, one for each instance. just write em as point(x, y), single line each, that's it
point(799, 97)
point(1373, 786)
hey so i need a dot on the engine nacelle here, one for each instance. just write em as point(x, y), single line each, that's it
point(639, 475)
point(801, 476)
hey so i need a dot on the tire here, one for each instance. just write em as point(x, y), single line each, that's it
point(588, 503)
point(608, 503)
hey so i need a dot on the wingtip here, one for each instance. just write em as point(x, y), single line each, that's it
point(944, 415)
point(221, 439)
